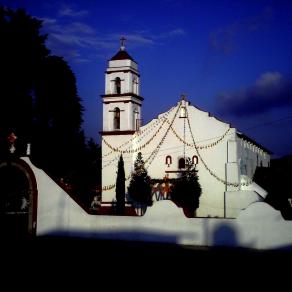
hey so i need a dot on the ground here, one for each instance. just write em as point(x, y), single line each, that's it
point(96, 264)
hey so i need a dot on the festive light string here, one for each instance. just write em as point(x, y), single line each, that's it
point(129, 151)
point(156, 150)
point(110, 162)
point(137, 134)
point(112, 186)
point(196, 146)
point(151, 157)
point(116, 149)
point(138, 148)
point(178, 137)
point(154, 153)
point(208, 169)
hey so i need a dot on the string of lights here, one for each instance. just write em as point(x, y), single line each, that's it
point(208, 146)
point(156, 150)
point(225, 182)
point(153, 154)
point(195, 145)
point(138, 134)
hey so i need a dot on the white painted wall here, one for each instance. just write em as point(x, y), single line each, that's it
point(221, 158)
point(259, 226)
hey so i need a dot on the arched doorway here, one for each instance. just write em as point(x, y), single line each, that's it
point(18, 199)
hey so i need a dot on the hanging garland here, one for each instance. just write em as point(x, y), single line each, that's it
point(130, 151)
point(137, 134)
point(152, 155)
point(211, 145)
point(110, 162)
point(208, 169)
point(156, 150)
point(110, 187)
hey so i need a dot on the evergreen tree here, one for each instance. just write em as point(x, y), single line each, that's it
point(187, 190)
point(120, 187)
point(140, 189)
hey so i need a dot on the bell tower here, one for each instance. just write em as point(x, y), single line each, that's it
point(122, 102)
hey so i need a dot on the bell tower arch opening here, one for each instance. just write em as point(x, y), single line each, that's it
point(117, 117)
point(118, 85)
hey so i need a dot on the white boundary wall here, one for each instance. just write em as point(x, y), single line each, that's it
point(259, 226)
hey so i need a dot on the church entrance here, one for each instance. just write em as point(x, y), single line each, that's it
point(18, 195)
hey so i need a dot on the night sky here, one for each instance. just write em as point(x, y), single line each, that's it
point(231, 58)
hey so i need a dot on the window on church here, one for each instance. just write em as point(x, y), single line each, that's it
point(117, 116)
point(181, 163)
point(195, 159)
point(168, 160)
point(118, 85)
point(134, 85)
point(183, 112)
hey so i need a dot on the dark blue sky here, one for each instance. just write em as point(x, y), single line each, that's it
point(232, 58)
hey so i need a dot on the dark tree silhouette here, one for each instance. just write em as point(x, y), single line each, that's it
point(58, 118)
point(187, 190)
point(120, 187)
point(140, 185)
point(276, 181)
point(39, 103)
point(22, 53)
point(86, 176)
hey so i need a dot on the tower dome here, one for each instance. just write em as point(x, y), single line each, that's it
point(122, 54)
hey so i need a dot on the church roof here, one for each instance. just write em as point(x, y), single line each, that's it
point(243, 136)
point(122, 55)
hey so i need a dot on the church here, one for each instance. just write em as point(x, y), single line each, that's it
point(225, 158)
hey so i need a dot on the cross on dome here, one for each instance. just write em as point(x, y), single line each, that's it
point(123, 40)
point(183, 96)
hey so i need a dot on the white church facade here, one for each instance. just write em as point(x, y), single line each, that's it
point(225, 159)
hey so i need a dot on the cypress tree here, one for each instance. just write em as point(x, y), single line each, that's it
point(120, 187)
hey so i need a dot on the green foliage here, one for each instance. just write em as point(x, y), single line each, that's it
point(139, 189)
point(187, 190)
point(120, 187)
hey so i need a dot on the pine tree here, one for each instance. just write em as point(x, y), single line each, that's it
point(140, 189)
point(187, 190)
point(120, 187)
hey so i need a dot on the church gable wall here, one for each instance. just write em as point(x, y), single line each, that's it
point(206, 131)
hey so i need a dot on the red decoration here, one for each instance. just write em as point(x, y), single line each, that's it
point(11, 138)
